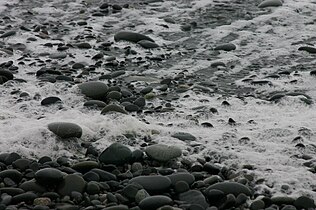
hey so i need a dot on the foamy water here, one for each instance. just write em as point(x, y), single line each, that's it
point(271, 127)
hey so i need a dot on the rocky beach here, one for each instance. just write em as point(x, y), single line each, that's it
point(157, 104)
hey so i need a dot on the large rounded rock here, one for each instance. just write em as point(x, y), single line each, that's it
point(49, 176)
point(116, 154)
point(194, 197)
point(162, 152)
point(131, 37)
point(304, 202)
point(27, 197)
point(182, 176)
point(230, 188)
point(13, 174)
point(65, 129)
point(94, 90)
point(155, 183)
point(50, 100)
point(270, 3)
point(7, 74)
point(72, 182)
point(155, 202)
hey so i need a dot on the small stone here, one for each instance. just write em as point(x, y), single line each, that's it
point(13, 174)
point(27, 197)
point(181, 176)
point(94, 103)
point(85, 166)
point(84, 45)
point(65, 129)
point(181, 187)
point(7, 34)
point(215, 197)
point(114, 95)
point(44, 201)
point(308, 49)
point(58, 55)
point(93, 188)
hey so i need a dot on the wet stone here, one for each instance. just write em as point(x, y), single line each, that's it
point(184, 136)
point(231, 188)
point(163, 153)
point(50, 100)
point(116, 153)
point(49, 176)
point(113, 108)
point(131, 37)
point(65, 129)
point(154, 183)
point(71, 182)
point(154, 202)
point(226, 47)
point(94, 90)
point(95, 103)
point(194, 197)
point(270, 3)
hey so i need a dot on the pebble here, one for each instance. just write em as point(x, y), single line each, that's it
point(226, 47)
point(308, 49)
point(95, 103)
point(194, 197)
point(65, 129)
point(148, 44)
point(7, 34)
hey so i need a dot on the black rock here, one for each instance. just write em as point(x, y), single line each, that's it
point(71, 182)
point(93, 188)
point(226, 47)
point(7, 34)
point(194, 197)
point(91, 176)
point(148, 44)
point(11, 191)
point(215, 197)
point(155, 202)
point(104, 175)
point(49, 176)
point(7, 74)
point(85, 166)
point(13, 174)
point(65, 129)
point(50, 100)
point(94, 90)
point(181, 176)
point(33, 186)
point(131, 37)
point(184, 136)
point(155, 183)
point(162, 152)
point(116, 154)
point(304, 202)
point(84, 45)
point(112, 108)
point(27, 197)
point(231, 188)
point(21, 164)
point(94, 103)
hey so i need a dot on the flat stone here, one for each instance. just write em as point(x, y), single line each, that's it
point(94, 90)
point(155, 183)
point(33, 186)
point(270, 3)
point(85, 166)
point(184, 136)
point(95, 103)
point(148, 44)
point(163, 153)
point(131, 37)
point(65, 129)
point(154, 202)
point(231, 188)
point(116, 154)
point(58, 55)
point(226, 47)
point(27, 197)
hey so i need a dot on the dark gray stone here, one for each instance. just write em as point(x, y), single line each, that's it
point(155, 183)
point(72, 182)
point(181, 176)
point(131, 37)
point(65, 129)
point(155, 202)
point(49, 176)
point(112, 108)
point(270, 3)
point(50, 100)
point(162, 152)
point(231, 188)
point(194, 197)
point(94, 90)
point(116, 154)
point(184, 136)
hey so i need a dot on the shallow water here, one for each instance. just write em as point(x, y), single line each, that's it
point(267, 41)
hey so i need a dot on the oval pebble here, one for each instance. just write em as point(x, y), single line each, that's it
point(131, 37)
point(270, 3)
point(156, 183)
point(65, 129)
point(154, 202)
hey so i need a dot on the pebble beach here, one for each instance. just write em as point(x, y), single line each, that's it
point(157, 104)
